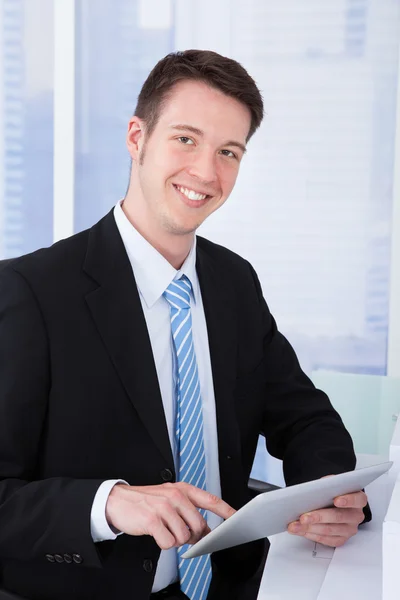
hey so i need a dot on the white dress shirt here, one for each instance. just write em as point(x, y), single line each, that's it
point(153, 274)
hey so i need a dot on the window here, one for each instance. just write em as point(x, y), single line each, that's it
point(26, 126)
point(312, 207)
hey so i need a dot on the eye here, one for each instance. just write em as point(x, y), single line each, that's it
point(229, 154)
point(185, 140)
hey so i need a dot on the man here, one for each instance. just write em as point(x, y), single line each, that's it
point(138, 365)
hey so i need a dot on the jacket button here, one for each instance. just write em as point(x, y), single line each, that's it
point(148, 565)
point(59, 558)
point(167, 475)
point(77, 558)
point(50, 558)
point(68, 558)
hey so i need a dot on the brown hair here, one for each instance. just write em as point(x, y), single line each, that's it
point(219, 72)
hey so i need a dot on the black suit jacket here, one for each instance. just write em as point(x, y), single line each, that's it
point(80, 403)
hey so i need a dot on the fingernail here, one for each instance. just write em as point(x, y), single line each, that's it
point(307, 519)
point(341, 502)
point(294, 527)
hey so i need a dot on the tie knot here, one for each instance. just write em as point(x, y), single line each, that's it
point(177, 293)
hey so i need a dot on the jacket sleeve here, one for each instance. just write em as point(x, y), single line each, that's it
point(300, 424)
point(37, 516)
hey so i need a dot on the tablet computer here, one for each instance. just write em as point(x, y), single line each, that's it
point(271, 512)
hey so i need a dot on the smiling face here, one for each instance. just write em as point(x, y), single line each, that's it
point(188, 166)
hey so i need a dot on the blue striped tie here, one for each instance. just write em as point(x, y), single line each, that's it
point(194, 574)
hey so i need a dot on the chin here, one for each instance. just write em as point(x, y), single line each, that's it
point(181, 226)
point(179, 229)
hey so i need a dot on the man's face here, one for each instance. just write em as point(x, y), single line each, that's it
point(188, 166)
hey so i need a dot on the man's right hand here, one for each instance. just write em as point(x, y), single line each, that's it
point(167, 512)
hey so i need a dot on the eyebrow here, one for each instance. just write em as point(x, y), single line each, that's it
point(200, 133)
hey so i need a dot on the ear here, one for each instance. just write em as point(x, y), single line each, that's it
point(135, 137)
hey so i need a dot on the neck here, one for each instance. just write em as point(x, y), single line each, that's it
point(174, 248)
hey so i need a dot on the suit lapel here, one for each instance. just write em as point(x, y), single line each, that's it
point(117, 311)
point(221, 317)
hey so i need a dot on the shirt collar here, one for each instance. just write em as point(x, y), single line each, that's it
point(153, 273)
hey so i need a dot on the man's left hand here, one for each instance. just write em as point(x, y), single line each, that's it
point(332, 526)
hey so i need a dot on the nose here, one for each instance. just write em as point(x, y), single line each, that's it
point(204, 167)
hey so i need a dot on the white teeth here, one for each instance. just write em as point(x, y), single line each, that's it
point(191, 194)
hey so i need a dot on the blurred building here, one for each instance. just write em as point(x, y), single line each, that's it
point(312, 206)
point(26, 126)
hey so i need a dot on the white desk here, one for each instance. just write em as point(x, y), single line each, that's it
point(294, 570)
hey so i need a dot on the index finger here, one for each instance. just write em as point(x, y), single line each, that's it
point(203, 499)
point(354, 500)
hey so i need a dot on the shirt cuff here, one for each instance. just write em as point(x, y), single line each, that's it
point(99, 527)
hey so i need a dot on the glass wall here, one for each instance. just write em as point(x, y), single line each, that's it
point(109, 76)
point(26, 126)
point(312, 208)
